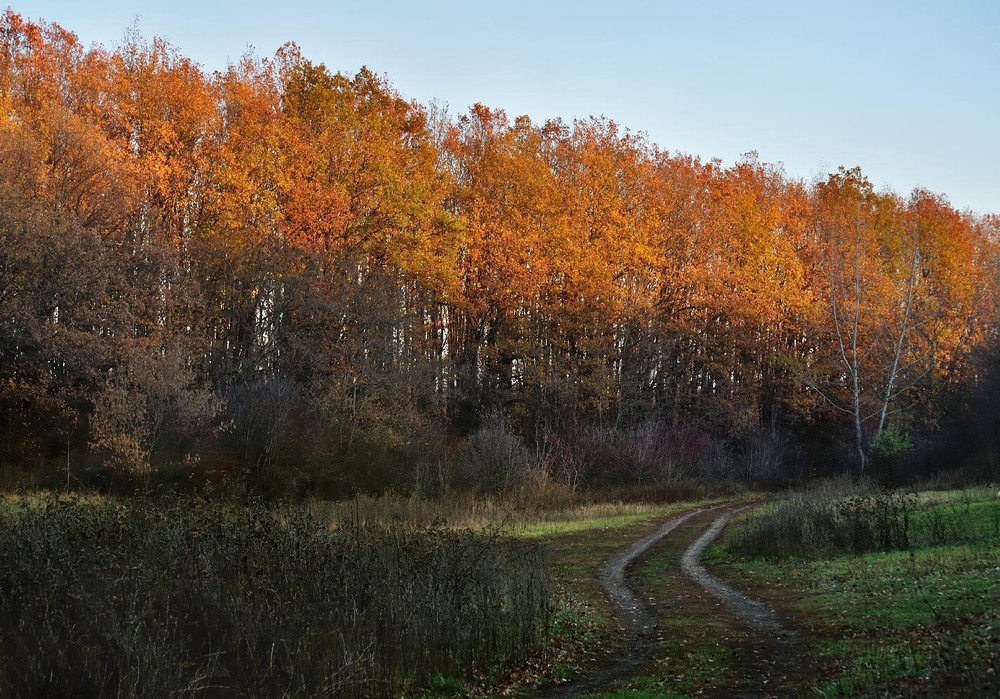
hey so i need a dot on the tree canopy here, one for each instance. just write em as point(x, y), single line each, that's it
point(281, 272)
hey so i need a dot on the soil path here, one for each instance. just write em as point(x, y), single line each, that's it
point(777, 650)
point(754, 614)
point(636, 617)
point(774, 644)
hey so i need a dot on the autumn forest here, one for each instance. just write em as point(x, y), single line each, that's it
point(287, 280)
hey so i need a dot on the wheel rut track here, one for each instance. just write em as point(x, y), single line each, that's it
point(639, 620)
point(778, 645)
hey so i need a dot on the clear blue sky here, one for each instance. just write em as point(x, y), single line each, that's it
point(907, 89)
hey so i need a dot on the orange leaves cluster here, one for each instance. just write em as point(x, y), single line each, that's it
point(507, 253)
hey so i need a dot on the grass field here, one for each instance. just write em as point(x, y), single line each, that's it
point(895, 593)
point(898, 593)
point(370, 597)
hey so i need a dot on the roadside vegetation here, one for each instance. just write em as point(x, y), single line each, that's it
point(897, 591)
point(578, 532)
point(163, 598)
point(544, 509)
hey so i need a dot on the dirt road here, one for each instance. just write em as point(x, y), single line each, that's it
point(769, 646)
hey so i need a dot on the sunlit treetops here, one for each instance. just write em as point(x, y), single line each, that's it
point(171, 236)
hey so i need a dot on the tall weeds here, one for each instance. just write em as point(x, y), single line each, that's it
point(825, 522)
point(152, 598)
point(839, 518)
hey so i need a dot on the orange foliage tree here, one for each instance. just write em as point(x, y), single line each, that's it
point(299, 277)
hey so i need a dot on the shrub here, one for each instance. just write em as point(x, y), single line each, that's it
point(653, 453)
point(494, 459)
point(888, 450)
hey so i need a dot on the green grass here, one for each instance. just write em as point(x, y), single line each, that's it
point(640, 687)
point(919, 619)
point(909, 617)
point(688, 653)
point(962, 516)
point(603, 516)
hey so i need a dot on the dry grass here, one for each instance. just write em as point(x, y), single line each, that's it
point(161, 598)
point(530, 512)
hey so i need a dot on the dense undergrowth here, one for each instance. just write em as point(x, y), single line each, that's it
point(161, 598)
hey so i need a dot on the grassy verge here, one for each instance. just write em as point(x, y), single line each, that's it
point(162, 598)
point(899, 593)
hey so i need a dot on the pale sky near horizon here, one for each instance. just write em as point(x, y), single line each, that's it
point(908, 90)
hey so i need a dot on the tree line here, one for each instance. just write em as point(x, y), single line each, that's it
point(290, 277)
